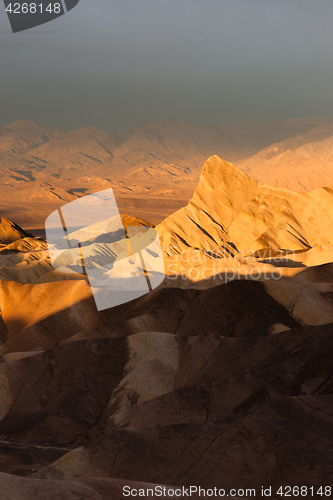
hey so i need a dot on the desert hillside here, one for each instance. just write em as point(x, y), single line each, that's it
point(219, 382)
point(232, 228)
point(302, 162)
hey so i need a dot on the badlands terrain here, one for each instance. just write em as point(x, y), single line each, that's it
point(155, 167)
point(220, 377)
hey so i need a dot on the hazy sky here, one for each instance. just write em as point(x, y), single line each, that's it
point(118, 63)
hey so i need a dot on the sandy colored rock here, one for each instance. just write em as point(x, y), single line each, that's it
point(68, 307)
point(11, 232)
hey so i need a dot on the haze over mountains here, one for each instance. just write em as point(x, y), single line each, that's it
point(155, 167)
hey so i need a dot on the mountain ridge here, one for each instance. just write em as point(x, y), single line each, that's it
point(159, 162)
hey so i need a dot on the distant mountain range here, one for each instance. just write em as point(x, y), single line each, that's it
point(155, 167)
